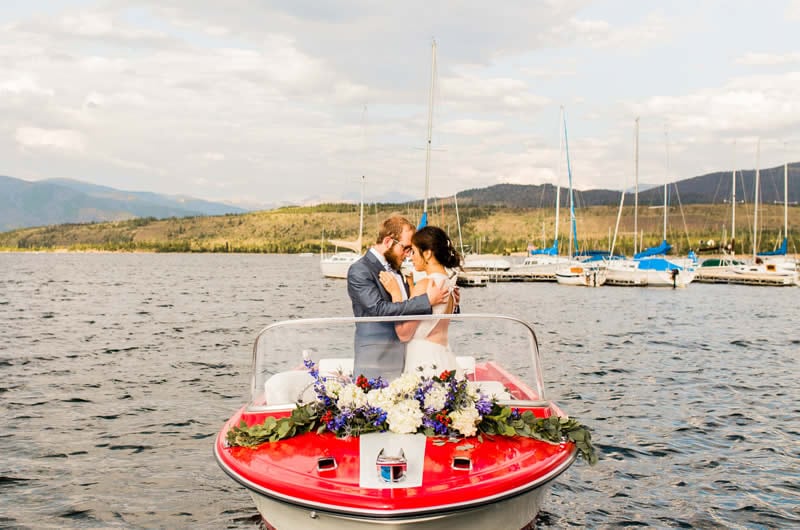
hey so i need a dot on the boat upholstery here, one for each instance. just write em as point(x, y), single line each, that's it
point(293, 386)
point(289, 388)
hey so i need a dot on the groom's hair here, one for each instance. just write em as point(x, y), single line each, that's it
point(393, 227)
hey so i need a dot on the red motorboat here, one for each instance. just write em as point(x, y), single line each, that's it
point(472, 447)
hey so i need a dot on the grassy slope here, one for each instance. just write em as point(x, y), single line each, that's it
point(493, 229)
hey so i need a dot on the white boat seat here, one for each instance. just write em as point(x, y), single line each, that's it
point(494, 389)
point(465, 364)
point(336, 366)
point(289, 387)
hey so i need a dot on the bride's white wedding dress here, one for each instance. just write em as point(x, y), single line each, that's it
point(428, 358)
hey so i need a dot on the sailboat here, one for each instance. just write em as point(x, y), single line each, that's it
point(721, 269)
point(542, 263)
point(575, 272)
point(768, 268)
point(337, 264)
point(650, 267)
point(780, 257)
point(467, 276)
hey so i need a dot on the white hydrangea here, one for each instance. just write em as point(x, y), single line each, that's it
point(381, 398)
point(351, 397)
point(436, 397)
point(332, 388)
point(465, 421)
point(404, 385)
point(404, 417)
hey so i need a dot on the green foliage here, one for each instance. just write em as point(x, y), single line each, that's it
point(502, 421)
point(302, 420)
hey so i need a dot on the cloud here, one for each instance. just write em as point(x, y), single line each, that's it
point(793, 11)
point(745, 105)
point(468, 127)
point(22, 84)
point(472, 90)
point(635, 38)
point(58, 139)
point(269, 96)
point(769, 59)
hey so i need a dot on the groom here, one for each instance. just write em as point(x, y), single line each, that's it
point(378, 351)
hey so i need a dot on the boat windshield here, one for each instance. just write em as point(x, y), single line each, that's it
point(499, 354)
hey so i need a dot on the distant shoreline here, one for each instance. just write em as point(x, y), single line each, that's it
point(701, 257)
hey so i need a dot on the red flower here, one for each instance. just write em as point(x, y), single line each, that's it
point(443, 418)
point(328, 416)
point(363, 383)
point(446, 375)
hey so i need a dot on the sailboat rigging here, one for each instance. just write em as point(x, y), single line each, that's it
point(337, 264)
point(586, 273)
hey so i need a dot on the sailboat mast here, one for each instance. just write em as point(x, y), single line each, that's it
point(786, 200)
point(733, 203)
point(430, 130)
point(458, 222)
point(573, 233)
point(636, 187)
point(558, 175)
point(755, 200)
point(361, 216)
point(666, 138)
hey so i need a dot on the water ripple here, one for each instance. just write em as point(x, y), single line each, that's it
point(118, 370)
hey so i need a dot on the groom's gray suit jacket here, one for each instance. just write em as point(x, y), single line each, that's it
point(378, 351)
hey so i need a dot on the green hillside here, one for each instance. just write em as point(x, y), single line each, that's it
point(489, 229)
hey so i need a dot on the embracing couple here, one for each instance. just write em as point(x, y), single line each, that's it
point(377, 288)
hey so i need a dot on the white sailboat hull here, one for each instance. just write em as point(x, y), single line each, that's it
point(337, 265)
point(776, 272)
point(580, 275)
point(480, 263)
point(628, 274)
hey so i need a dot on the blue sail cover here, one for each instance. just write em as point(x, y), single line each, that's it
point(597, 255)
point(780, 251)
point(550, 251)
point(423, 221)
point(660, 250)
point(657, 264)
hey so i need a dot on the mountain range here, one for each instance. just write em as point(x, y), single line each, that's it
point(712, 188)
point(57, 201)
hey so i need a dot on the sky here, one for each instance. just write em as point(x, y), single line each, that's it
point(275, 102)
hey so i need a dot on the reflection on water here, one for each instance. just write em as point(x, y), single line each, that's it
point(119, 369)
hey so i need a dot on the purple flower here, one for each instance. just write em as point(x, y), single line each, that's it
point(484, 405)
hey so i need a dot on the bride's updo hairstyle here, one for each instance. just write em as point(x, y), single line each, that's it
point(436, 240)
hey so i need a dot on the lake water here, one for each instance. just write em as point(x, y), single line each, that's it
point(119, 369)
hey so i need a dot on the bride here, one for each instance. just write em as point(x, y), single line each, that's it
point(428, 351)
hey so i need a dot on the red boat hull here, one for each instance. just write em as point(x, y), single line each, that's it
point(502, 469)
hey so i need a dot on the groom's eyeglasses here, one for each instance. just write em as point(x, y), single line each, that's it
point(406, 248)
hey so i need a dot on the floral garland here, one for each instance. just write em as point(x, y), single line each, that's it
point(439, 406)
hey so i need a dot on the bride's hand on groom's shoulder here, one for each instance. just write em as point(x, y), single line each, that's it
point(437, 294)
point(389, 283)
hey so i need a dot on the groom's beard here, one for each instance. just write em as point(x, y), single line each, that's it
point(393, 260)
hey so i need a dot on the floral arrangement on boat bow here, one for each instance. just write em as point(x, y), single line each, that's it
point(440, 406)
